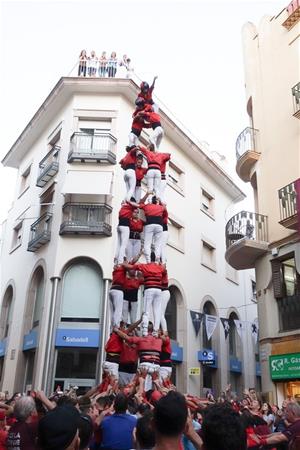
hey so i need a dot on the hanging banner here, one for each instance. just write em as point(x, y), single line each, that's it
point(210, 325)
point(240, 326)
point(254, 331)
point(196, 319)
point(226, 326)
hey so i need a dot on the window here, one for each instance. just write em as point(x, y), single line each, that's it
point(286, 286)
point(6, 312)
point(17, 235)
point(38, 291)
point(208, 256)
point(209, 309)
point(207, 203)
point(25, 180)
point(232, 337)
point(176, 177)
point(254, 293)
point(82, 293)
point(176, 237)
point(171, 314)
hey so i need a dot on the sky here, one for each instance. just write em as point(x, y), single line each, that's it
point(194, 46)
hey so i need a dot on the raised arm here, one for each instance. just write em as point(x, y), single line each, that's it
point(122, 335)
point(134, 325)
point(153, 83)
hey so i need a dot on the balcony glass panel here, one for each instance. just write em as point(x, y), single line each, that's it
point(40, 232)
point(246, 141)
point(98, 147)
point(246, 225)
point(48, 166)
point(79, 218)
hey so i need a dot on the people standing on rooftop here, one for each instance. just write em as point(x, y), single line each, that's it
point(82, 63)
point(92, 64)
point(102, 69)
point(112, 65)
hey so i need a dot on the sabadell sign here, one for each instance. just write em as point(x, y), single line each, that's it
point(284, 367)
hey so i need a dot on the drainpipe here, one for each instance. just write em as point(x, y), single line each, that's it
point(50, 333)
point(104, 331)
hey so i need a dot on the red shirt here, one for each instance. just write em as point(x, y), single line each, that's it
point(163, 158)
point(114, 344)
point(166, 351)
point(118, 276)
point(128, 159)
point(154, 158)
point(138, 123)
point(147, 96)
point(153, 274)
point(148, 347)
point(129, 354)
point(151, 117)
point(126, 211)
point(165, 279)
point(152, 209)
point(136, 225)
point(132, 283)
point(139, 174)
point(165, 217)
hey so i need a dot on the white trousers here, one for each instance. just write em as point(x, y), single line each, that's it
point(133, 140)
point(165, 372)
point(116, 298)
point(152, 301)
point(130, 181)
point(125, 378)
point(157, 136)
point(132, 313)
point(123, 237)
point(111, 368)
point(138, 193)
point(165, 297)
point(152, 233)
point(133, 248)
point(150, 368)
point(153, 181)
point(163, 246)
point(163, 185)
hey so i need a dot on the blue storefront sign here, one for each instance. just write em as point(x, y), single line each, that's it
point(74, 337)
point(177, 352)
point(2, 347)
point(208, 358)
point(30, 340)
point(258, 369)
point(235, 365)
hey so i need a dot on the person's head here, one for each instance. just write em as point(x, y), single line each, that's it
point(24, 408)
point(255, 406)
point(135, 213)
point(113, 54)
point(139, 160)
point(143, 408)
point(152, 257)
point(252, 393)
point(82, 53)
point(2, 397)
point(121, 404)
point(140, 103)
point(151, 147)
point(132, 199)
point(292, 412)
point(266, 408)
point(154, 200)
point(84, 403)
point(170, 415)
point(103, 54)
point(67, 400)
point(144, 86)
point(284, 404)
point(144, 435)
point(93, 53)
point(124, 57)
point(222, 429)
point(85, 428)
point(101, 403)
point(275, 409)
point(150, 327)
point(59, 429)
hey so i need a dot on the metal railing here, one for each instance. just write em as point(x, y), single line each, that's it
point(40, 232)
point(48, 166)
point(287, 201)
point(296, 97)
point(83, 218)
point(98, 146)
point(247, 140)
point(246, 225)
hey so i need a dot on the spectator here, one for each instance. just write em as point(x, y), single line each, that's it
point(117, 429)
point(3, 431)
point(124, 66)
point(92, 63)
point(58, 430)
point(82, 63)
point(102, 65)
point(144, 436)
point(222, 429)
point(23, 433)
point(130, 69)
point(85, 427)
point(268, 416)
point(112, 65)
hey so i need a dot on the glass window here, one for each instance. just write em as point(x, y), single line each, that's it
point(7, 310)
point(232, 338)
point(208, 256)
point(25, 179)
point(171, 314)
point(82, 293)
point(17, 235)
point(209, 309)
point(289, 300)
point(38, 297)
point(75, 363)
point(30, 356)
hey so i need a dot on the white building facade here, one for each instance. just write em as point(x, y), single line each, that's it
point(60, 236)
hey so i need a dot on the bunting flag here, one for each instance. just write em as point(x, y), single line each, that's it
point(210, 325)
point(254, 330)
point(196, 319)
point(240, 326)
point(226, 325)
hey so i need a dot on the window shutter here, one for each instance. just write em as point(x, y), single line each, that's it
point(277, 278)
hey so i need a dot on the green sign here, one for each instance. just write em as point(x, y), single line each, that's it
point(283, 367)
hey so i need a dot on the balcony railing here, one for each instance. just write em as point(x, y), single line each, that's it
point(296, 100)
point(86, 219)
point(246, 141)
point(293, 10)
point(246, 225)
point(40, 232)
point(98, 147)
point(48, 167)
point(288, 206)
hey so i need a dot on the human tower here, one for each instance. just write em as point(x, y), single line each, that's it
point(142, 230)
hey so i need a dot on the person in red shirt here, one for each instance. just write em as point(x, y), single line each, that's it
point(116, 294)
point(131, 288)
point(165, 297)
point(128, 164)
point(140, 172)
point(165, 370)
point(128, 363)
point(123, 230)
point(136, 226)
point(164, 238)
point(138, 123)
point(146, 93)
point(156, 162)
point(153, 275)
point(152, 120)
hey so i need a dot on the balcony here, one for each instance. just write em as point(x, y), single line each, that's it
point(40, 232)
point(92, 148)
point(246, 239)
point(288, 206)
point(86, 219)
point(293, 11)
point(246, 153)
point(296, 100)
point(48, 167)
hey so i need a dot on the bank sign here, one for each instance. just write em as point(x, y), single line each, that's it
point(70, 337)
point(283, 367)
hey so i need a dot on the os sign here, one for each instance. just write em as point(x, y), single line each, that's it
point(284, 367)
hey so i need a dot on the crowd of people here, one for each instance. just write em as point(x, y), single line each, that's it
point(110, 417)
point(104, 66)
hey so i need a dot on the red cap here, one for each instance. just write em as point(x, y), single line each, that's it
point(155, 396)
